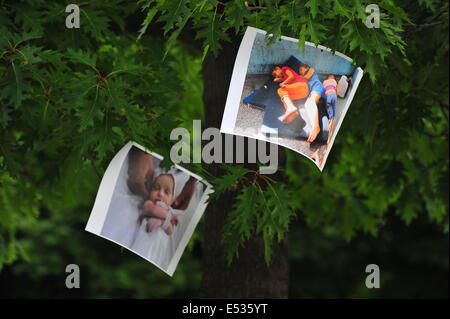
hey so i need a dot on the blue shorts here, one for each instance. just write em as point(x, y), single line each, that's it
point(331, 105)
point(315, 85)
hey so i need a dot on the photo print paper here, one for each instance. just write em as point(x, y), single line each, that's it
point(293, 97)
point(148, 210)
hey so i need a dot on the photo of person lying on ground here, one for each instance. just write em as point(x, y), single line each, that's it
point(152, 212)
point(292, 87)
point(291, 96)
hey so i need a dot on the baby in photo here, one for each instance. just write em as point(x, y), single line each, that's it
point(156, 211)
point(158, 220)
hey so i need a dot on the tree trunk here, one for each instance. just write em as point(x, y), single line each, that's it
point(248, 276)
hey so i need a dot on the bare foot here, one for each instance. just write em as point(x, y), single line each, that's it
point(321, 160)
point(289, 116)
point(286, 113)
point(330, 131)
point(315, 155)
point(313, 134)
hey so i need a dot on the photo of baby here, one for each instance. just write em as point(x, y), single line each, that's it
point(150, 211)
point(294, 97)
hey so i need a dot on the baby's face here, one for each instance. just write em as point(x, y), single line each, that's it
point(162, 189)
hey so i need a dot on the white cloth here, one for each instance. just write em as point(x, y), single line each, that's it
point(154, 246)
point(342, 86)
point(309, 113)
point(157, 246)
point(121, 223)
point(303, 113)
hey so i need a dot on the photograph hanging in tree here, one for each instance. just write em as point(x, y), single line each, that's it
point(146, 209)
point(294, 96)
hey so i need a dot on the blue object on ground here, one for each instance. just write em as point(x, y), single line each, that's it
point(249, 98)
